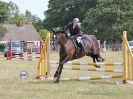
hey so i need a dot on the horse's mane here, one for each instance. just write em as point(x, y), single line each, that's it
point(63, 32)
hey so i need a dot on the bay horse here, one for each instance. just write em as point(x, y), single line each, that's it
point(67, 50)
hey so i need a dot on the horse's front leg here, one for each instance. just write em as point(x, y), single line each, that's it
point(60, 68)
point(57, 71)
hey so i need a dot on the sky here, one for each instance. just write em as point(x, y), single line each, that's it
point(36, 7)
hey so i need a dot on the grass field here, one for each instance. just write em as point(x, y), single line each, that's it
point(13, 87)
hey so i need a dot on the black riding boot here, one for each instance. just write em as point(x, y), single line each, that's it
point(82, 48)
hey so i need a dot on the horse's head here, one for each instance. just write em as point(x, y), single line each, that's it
point(60, 36)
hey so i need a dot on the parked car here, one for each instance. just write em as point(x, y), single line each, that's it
point(16, 47)
point(131, 45)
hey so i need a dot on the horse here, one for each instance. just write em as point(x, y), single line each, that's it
point(68, 51)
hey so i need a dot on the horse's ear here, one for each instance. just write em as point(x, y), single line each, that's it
point(63, 32)
point(53, 31)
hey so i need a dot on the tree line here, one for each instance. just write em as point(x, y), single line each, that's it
point(104, 18)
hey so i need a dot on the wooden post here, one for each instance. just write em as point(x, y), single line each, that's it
point(125, 73)
point(43, 64)
point(48, 54)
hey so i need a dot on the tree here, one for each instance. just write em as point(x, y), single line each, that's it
point(33, 19)
point(13, 13)
point(28, 16)
point(2, 31)
point(109, 19)
point(3, 12)
point(3, 17)
point(104, 18)
point(13, 10)
point(60, 12)
point(43, 33)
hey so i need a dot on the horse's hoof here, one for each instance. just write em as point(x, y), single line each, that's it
point(55, 75)
point(37, 77)
point(57, 81)
point(97, 66)
point(102, 60)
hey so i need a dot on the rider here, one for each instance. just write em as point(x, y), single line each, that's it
point(75, 33)
point(74, 27)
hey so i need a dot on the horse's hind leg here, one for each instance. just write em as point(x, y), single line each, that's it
point(99, 58)
point(93, 56)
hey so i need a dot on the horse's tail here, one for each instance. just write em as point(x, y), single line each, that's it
point(96, 46)
point(95, 40)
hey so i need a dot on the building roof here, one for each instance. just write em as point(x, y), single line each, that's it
point(27, 32)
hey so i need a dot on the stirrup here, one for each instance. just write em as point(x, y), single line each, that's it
point(83, 50)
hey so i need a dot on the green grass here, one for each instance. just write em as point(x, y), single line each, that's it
point(13, 87)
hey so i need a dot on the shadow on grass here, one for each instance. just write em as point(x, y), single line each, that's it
point(93, 82)
point(96, 82)
point(41, 81)
point(102, 82)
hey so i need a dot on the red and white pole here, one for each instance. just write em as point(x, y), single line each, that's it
point(9, 52)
